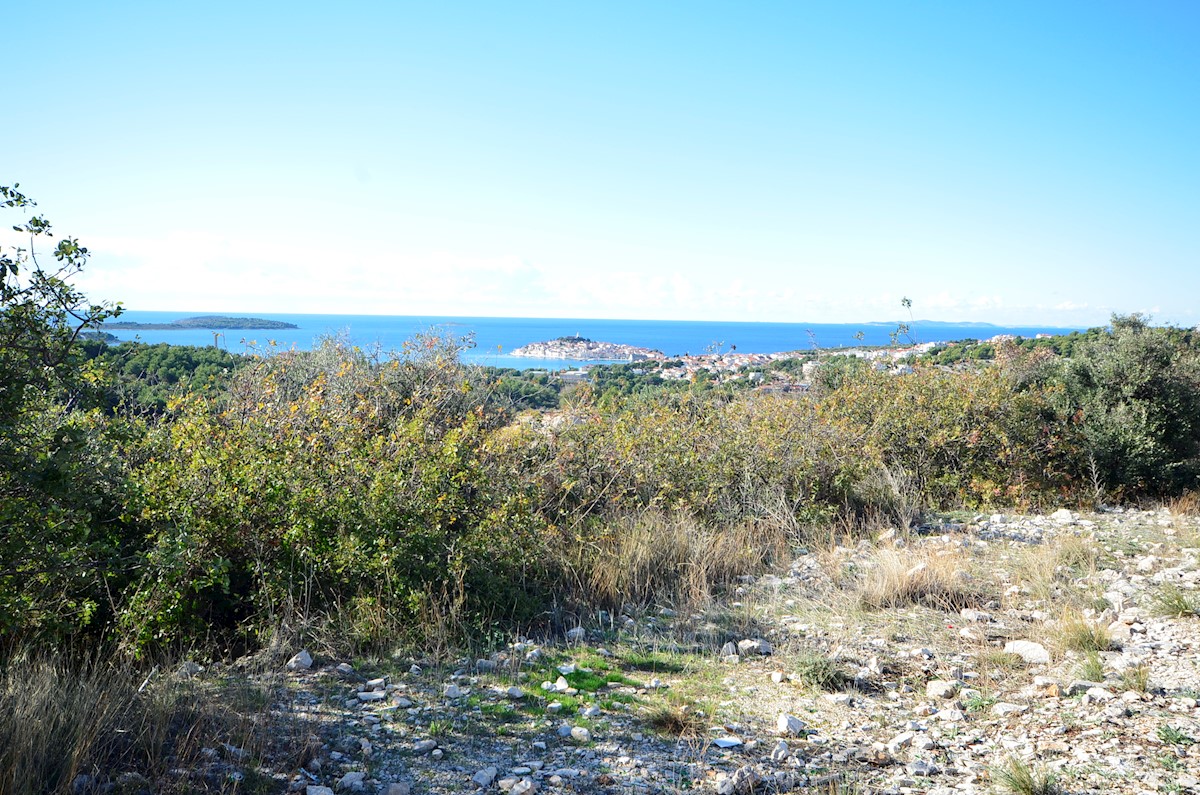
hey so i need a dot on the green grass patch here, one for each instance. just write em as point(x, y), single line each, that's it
point(654, 662)
point(1172, 735)
point(1020, 778)
point(610, 701)
point(586, 681)
point(978, 702)
point(500, 710)
point(537, 707)
point(594, 661)
point(1092, 667)
point(818, 672)
point(1174, 602)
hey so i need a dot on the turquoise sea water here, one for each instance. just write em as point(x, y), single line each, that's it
point(494, 336)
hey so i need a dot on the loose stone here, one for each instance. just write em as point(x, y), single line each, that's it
point(1027, 650)
point(302, 661)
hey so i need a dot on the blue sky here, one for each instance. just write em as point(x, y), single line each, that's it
point(1012, 162)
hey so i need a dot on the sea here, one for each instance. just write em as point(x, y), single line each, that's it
point(491, 338)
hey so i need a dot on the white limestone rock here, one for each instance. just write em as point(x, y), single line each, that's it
point(1027, 650)
point(755, 646)
point(790, 725)
point(940, 689)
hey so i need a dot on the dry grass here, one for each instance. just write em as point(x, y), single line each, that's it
point(888, 495)
point(1074, 632)
point(1075, 555)
point(1136, 678)
point(1092, 667)
point(996, 666)
point(673, 719)
point(58, 721)
point(1047, 570)
point(1185, 505)
point(669, 559)
point(901, 577)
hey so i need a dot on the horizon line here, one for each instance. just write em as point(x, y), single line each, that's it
point(895, 322)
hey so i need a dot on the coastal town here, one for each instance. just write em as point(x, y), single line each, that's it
point(763, 371)
point(581, 348)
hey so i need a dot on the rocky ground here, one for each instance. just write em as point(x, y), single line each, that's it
point(995, 653)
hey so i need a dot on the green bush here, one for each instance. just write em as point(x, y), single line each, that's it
point(1135, 393)
point(968, 438)
point(63, 489)
point(333, 487)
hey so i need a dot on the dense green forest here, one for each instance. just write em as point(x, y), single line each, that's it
point(154, 496)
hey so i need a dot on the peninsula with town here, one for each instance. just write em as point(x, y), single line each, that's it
point(584, 349)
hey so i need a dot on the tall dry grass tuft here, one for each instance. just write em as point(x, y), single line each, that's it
point(1048, 571)
point(1075, 632)
point(60, 720)
point(655, 557)
point(901, 577)
point(53, 724)
point(1186, 505)
point(888, 495)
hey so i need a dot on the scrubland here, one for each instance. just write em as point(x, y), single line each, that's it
point(167, 547)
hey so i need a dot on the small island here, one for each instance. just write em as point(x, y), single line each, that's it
point(101, 336)
point(209, 322)
point(576, 347)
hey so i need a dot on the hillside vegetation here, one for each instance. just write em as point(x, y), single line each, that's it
point(157, 500)
point(161, 503)
point(155, 496)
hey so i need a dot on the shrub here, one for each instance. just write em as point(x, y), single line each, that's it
point(63, 490)
point(1134, 391)
point(968, 438)
point(720, 459)
point(818, 672)
point(330, 486)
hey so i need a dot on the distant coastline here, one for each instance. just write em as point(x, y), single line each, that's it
point(491, 341)
point(206, 322)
